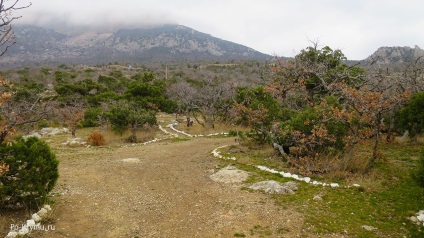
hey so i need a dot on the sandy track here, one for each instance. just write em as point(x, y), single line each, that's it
point(168, 193)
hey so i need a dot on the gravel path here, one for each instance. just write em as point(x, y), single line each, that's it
point(161, 190)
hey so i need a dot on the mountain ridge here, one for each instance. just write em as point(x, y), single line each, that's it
point(394, 55)
point(164, 43)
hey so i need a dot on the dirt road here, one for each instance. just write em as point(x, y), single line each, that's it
point(163, 190)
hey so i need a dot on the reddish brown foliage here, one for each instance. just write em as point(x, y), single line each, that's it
point(96, 139)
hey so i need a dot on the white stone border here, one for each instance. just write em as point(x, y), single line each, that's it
point(178, 131)
point(167, 132)
point(420, 216)
point(190, 135)
point(31, 224)
point(217, 154)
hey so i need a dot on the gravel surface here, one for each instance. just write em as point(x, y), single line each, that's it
point(161, 189)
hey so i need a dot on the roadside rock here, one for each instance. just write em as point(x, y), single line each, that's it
point(33, 134)
point(75, 142)
point(131, 160)
point(275, 187)
point(50, 131)
point(230, 174)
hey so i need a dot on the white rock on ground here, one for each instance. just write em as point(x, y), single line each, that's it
point(74, 142)
point(33, 134)
point(42, 212)
point(30, 223)
point(274, 187)
point(230, 174)
point(12, 234)
point(368, 228)
point(131, 160)
point(49, 131)
point(47, 207)
point(36, 217)
point(23, 231)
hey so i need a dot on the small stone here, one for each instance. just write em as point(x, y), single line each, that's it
point(36, 217)
point(421, 217)
point(30, 223)
point(287, 175)
point(12, 234)
point(42, 212)
point(415, 220)
point(307, 179)
point(334, 185)
point(317, 198)
point(131, 160)
point(47, 207)
point(368, 228)
point(23, 231)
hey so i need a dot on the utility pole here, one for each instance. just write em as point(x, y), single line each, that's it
point(166, 71)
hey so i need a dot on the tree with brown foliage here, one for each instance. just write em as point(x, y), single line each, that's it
point(360, 100)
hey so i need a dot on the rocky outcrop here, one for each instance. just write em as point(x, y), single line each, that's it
point(394, 55)
point(275, 187)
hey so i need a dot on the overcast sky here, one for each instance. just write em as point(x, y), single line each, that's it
point(276, 27)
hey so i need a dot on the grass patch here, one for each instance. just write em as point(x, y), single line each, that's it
point(239, 235)
point(387, 198)
point(179, 139)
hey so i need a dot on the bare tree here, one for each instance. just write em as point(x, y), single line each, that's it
point(7, 10)
point(210, 98)
point(72, 109)
point(183, 93)
point(213, 100)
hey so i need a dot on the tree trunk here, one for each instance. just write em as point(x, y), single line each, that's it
point(376, 143)
point(188, 117)
point(133, 135)
point(73, 131)
point(195, 117)
point(390, 137)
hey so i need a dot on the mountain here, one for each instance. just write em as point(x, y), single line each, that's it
point(37, 45)
point(394, 55)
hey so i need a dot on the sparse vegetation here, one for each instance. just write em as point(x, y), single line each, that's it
point(328, 117)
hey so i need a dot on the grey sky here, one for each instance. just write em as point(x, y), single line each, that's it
point(277, 27)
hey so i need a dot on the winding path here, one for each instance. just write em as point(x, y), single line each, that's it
point(163, 190)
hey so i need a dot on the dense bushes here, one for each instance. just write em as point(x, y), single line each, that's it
point(32, 172)
point(411, 117)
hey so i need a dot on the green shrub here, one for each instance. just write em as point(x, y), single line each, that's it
point(32, 174)
point(411, 117)
point(91, 117)
point(419, 174)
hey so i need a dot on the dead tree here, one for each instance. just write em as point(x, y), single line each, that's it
point(7, 10)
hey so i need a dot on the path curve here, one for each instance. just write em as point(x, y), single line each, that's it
point(162, 190)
